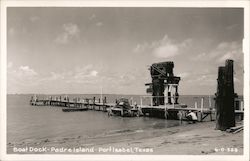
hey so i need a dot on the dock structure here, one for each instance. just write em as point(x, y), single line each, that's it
point(76, 103)
point(167, 111)
point(176, 111)
point(163, 84)
point(164, 90)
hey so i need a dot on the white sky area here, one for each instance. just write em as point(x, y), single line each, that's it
point(81, 50)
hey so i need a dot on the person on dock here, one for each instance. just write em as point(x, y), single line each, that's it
point(135, 106)
point(180, 116)
point(191, 116)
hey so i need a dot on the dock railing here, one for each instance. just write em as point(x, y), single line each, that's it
point(198, 102)
point(165, 100)
point(150, 101)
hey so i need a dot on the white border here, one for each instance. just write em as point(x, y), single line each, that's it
point(138, 3)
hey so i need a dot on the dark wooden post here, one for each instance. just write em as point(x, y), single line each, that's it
point(225, 114)
point(219, 98)
point(229, 97)
point(105, 100)
point(169, 96)
point(158, 91)
point(176, 95)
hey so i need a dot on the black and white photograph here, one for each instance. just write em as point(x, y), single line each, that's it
point(124, 81)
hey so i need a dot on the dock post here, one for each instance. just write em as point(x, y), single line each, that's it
point(195, 104)
point(105, 100)
point(241, 106)
point(141, 102)
point(202, 104)
point(230, 95)
point(176, 95)
point(209, 101)
point(93, 104)
point(169, 98)
point(165, 111)
point(173, 103)
point(225, 112)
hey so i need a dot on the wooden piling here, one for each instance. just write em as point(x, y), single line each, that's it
point(224, 102)
point(229, 97)
point(105, 100)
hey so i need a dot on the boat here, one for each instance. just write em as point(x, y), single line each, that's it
point(74, 109)
point(123, 108)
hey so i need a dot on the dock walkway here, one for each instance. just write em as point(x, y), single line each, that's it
point(168, 111)
point(90, 104)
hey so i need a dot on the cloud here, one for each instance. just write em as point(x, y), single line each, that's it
point(99, 24)
point(62, 39)
point(84, 74)
point(56, 76)
point(168, 48)
point(141, 47)
point(93, 73)
point(202, 79)
point(24, 76)
point(199, 57)
point(183, 75)
point(70, 31)
point(164, 48)
point(228, 50)
point(26, 71)
point(166, 51)
point(221, 52)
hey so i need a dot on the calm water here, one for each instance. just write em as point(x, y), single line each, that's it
point(32, 123)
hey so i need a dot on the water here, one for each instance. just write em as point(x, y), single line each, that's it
point(32, 123)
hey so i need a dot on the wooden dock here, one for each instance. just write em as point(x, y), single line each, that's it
point(168, 111)
point(90, 104)
point(176, 111)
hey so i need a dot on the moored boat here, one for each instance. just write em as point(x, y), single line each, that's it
point(74, 109)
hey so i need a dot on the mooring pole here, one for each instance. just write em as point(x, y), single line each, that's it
point(224, 102)
point(202, 104)
point(209, 102)
point(141, 101)
point(229, 90)
point(105, 100)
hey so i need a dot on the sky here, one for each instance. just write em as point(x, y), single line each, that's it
point(81, 50)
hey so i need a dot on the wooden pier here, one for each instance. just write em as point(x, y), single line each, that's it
point(178, 112)
point(168, 111)
point(89, 104)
